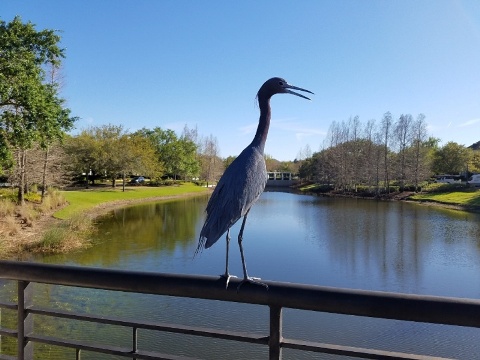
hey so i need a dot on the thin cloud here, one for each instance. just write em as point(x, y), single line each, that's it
point(288, 125)
point(248, 129)
point(297, 128)
point(469, 122)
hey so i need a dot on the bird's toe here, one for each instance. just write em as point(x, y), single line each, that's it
point(251, 280)
point(227, 279)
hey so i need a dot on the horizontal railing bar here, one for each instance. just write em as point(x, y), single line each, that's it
point(148, 325)
point(9, 306)
point(104, 349)
point(420, 308)
point(353, 351)
point(8, 332)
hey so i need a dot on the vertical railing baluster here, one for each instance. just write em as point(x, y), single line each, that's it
point(78, 354)
point(275, 339)
point(134, 341)
point(24, 320)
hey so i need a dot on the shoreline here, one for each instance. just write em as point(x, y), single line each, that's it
point(19, 247)
point(104, 208)
point(404, 197)
point(34, 234)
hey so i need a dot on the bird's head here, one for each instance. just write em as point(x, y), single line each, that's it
point(278, 85)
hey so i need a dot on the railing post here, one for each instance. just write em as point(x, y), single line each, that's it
point(24, 320)
point(134, 342)
point(275, 339)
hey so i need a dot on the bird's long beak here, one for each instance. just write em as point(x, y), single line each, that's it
point(288, 86)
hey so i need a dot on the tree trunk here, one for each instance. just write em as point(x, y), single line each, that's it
point(21, 185)
point(44, 175)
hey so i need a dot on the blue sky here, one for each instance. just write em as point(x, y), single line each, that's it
point(170, 63)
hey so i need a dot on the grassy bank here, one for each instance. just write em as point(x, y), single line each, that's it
point(32, 228)
point(447, 195)
point(466, 198)
point(84, 200)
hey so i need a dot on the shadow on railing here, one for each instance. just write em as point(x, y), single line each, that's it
point(429, 309)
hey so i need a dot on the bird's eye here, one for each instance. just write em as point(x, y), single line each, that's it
point(280, 83)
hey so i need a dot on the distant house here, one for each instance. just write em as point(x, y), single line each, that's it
point(474, 180)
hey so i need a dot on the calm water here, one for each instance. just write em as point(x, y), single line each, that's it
point(363, 244)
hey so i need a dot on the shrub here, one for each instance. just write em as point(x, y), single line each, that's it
point(71, 234)
point(10, 226)
point(52, 239)
point(7, 207)
point(28, 213)
point(33, 197)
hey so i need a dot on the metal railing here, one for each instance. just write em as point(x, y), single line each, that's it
point(428, 309)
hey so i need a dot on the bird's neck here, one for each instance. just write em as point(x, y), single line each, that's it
point(263, 124)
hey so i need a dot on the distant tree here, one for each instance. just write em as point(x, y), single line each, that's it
point(142, 158)
point(109, 150)
point(403, 138)
point(228, 160)
point(386, 131)
point(452, 158)
point(366, 155)
point(304, 153)
point(211, 166)
point(81, 154)
point(475, 146)
point(187, 165)
point(271, 163)
point(474, 161)
point(371, 161)
point(164, 143)
point(178, 156)
point(421, 164)
point(306, 169)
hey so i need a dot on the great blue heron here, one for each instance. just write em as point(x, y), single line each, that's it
point(243, 181)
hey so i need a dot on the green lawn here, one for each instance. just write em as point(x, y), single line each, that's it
point(467, 197)
point(83, 200)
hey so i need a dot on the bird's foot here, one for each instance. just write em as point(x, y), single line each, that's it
point(251, 280)
point(227, 277)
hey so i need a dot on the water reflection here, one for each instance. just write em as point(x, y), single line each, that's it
point(150, 230)
point(391, 246)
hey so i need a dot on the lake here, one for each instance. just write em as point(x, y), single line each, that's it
point(341, 242)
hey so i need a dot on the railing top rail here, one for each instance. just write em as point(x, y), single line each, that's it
point(420, 308)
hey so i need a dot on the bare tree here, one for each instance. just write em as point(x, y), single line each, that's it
point(419, 137)
point(403, 137)
point(386, 135)
point(210, 162)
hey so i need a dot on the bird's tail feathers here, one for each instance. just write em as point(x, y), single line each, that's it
point(201, 245)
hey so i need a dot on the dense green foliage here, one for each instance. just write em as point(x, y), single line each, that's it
point(31, 111)
point(110, 151)
point(176, 154)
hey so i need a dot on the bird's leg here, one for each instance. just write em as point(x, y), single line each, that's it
point(227, 276)
point(226, 257)
point(245, 274)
